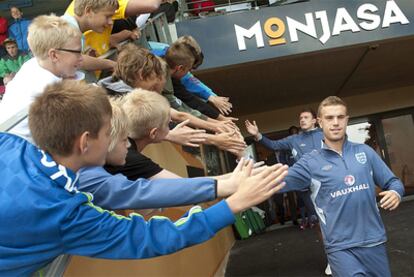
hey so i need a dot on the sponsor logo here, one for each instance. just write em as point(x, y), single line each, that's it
point(361, 157)
point(349, 180)
point(349, 190)
point(327, 167)
point(61, 172)
point(318, 25)
point(302, 145)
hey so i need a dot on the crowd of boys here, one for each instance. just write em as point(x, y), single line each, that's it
point(79, 152)
point(14, 50)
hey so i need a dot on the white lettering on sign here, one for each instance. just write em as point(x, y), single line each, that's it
point(254, 31)
point(367, 18)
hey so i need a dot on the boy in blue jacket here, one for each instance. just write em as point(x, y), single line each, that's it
point(19, 28)
point(342, 177)
point(43, 214)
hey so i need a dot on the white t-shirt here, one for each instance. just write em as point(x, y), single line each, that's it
point(28, 83)
point(142, 19)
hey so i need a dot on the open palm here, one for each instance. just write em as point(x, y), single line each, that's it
point(252, 128)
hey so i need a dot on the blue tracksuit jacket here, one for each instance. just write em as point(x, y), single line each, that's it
point(18, 30)
point(343, 193)
point(189, 81)
point(299, 144)
point(116, 192)
point(43, 215)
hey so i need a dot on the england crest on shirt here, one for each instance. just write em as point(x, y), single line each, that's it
point(361, 157)
point(349, 180)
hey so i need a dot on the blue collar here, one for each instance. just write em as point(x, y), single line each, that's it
point(61, 175)
point(344, 146)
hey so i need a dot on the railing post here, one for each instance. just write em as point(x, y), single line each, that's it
point(162, 29)
point(182, 6)
point(150, 31)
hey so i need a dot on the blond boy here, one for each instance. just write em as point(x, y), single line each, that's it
point(93, 15)
point(56, 46)
point(101, 41)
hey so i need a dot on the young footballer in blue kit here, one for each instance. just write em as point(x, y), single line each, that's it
point(299, 144)
point(342, 178)
point(309, 139)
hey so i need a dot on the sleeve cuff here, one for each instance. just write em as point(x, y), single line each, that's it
point(396, 192)
point(219, 216)
point(260, 136)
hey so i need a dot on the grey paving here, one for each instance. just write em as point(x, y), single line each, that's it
point(292, 252)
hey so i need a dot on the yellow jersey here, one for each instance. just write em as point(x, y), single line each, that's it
point(100, 41)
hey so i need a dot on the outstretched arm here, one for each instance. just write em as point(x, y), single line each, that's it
point(255, 189)
point(252, 129)
point(221, 103)
point(116, 38)
point(91, 63)
point(210, 125)
point(116, 192)
point(281, 144)
point(185, 135)
point(195, 86)
point(227, 142)
point(92, 231)
point(136, 7)
point(299, 176)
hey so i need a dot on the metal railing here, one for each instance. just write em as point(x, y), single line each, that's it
point(14, 120)
point(188, 10)
point(156, 29)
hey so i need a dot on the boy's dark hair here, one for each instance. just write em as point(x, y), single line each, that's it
point(309, 110)
point(64, 111)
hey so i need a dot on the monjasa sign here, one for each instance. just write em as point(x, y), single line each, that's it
point(303, 27)
point(366, 17)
